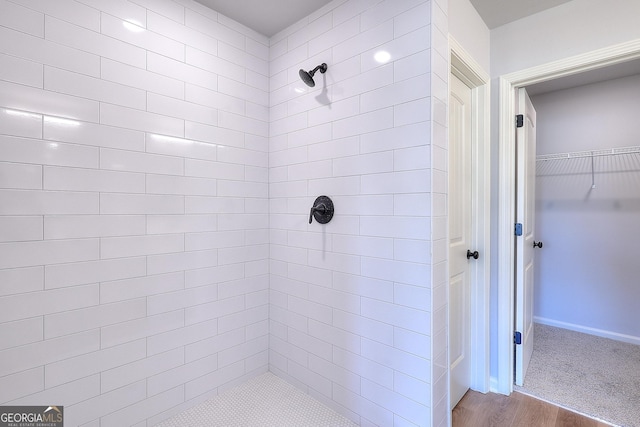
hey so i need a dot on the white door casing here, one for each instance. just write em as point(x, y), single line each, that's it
point(465, 68)
point(460, 238)
point(525, 212)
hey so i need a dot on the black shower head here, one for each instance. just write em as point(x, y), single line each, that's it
point(307, 76)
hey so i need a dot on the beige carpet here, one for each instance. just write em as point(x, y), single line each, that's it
point(596, 376)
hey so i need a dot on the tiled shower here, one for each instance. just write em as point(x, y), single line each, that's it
point(158, 162)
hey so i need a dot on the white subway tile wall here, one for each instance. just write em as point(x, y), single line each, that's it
point(157, 166)
point(440, 58)
point(133, 197)
point(352, 320)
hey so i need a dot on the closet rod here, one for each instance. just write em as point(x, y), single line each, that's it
point(593, 153)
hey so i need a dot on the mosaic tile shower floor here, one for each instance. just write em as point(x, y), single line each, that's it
point(264, 401)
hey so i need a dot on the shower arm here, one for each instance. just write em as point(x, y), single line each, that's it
point(321, 67)
point(307, 76)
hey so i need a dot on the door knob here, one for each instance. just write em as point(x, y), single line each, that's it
point(538, 244)
point(473, 254)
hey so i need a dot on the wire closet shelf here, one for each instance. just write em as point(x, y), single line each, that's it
point(612, 160)
point(590, 153)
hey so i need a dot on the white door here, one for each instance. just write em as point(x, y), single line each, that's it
point(525, 208)
point(460, 196)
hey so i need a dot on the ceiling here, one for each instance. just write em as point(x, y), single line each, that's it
point(624, 69)
point(499, 12)
point(268, 17)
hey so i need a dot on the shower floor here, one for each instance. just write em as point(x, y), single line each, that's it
point(264, 401)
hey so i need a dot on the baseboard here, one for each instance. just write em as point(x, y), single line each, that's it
point(586, 330)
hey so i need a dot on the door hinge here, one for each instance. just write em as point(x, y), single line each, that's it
point(519, 120)
point(518, 229)
point(517, 338)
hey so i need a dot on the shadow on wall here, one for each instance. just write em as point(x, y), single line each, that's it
point(323, 97)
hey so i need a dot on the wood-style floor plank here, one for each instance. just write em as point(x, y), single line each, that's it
point(495, 410)
point(533, 412)
point(505, 413)
point(571, 419)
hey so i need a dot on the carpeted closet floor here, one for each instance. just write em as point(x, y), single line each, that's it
point(596, 376)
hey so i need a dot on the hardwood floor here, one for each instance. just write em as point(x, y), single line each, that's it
point(484, 410)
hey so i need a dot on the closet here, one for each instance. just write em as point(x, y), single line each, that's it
point(587, 275)
point(588, 208)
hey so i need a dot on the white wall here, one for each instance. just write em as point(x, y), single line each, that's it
point(594, 116)
point(468, 29)
point(351, 301)
point(572, 28)
point(133, 191)
point(569, 29)
point(587, 274)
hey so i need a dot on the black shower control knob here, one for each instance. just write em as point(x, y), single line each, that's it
point(474, 254)
point(537, 244)
point(322, 210)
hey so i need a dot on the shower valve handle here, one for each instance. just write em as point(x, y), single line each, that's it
point(320, 208)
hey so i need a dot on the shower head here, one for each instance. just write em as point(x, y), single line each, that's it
point(307, 76)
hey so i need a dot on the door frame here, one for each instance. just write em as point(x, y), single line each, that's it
point(463, 66)
point(507, 87)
